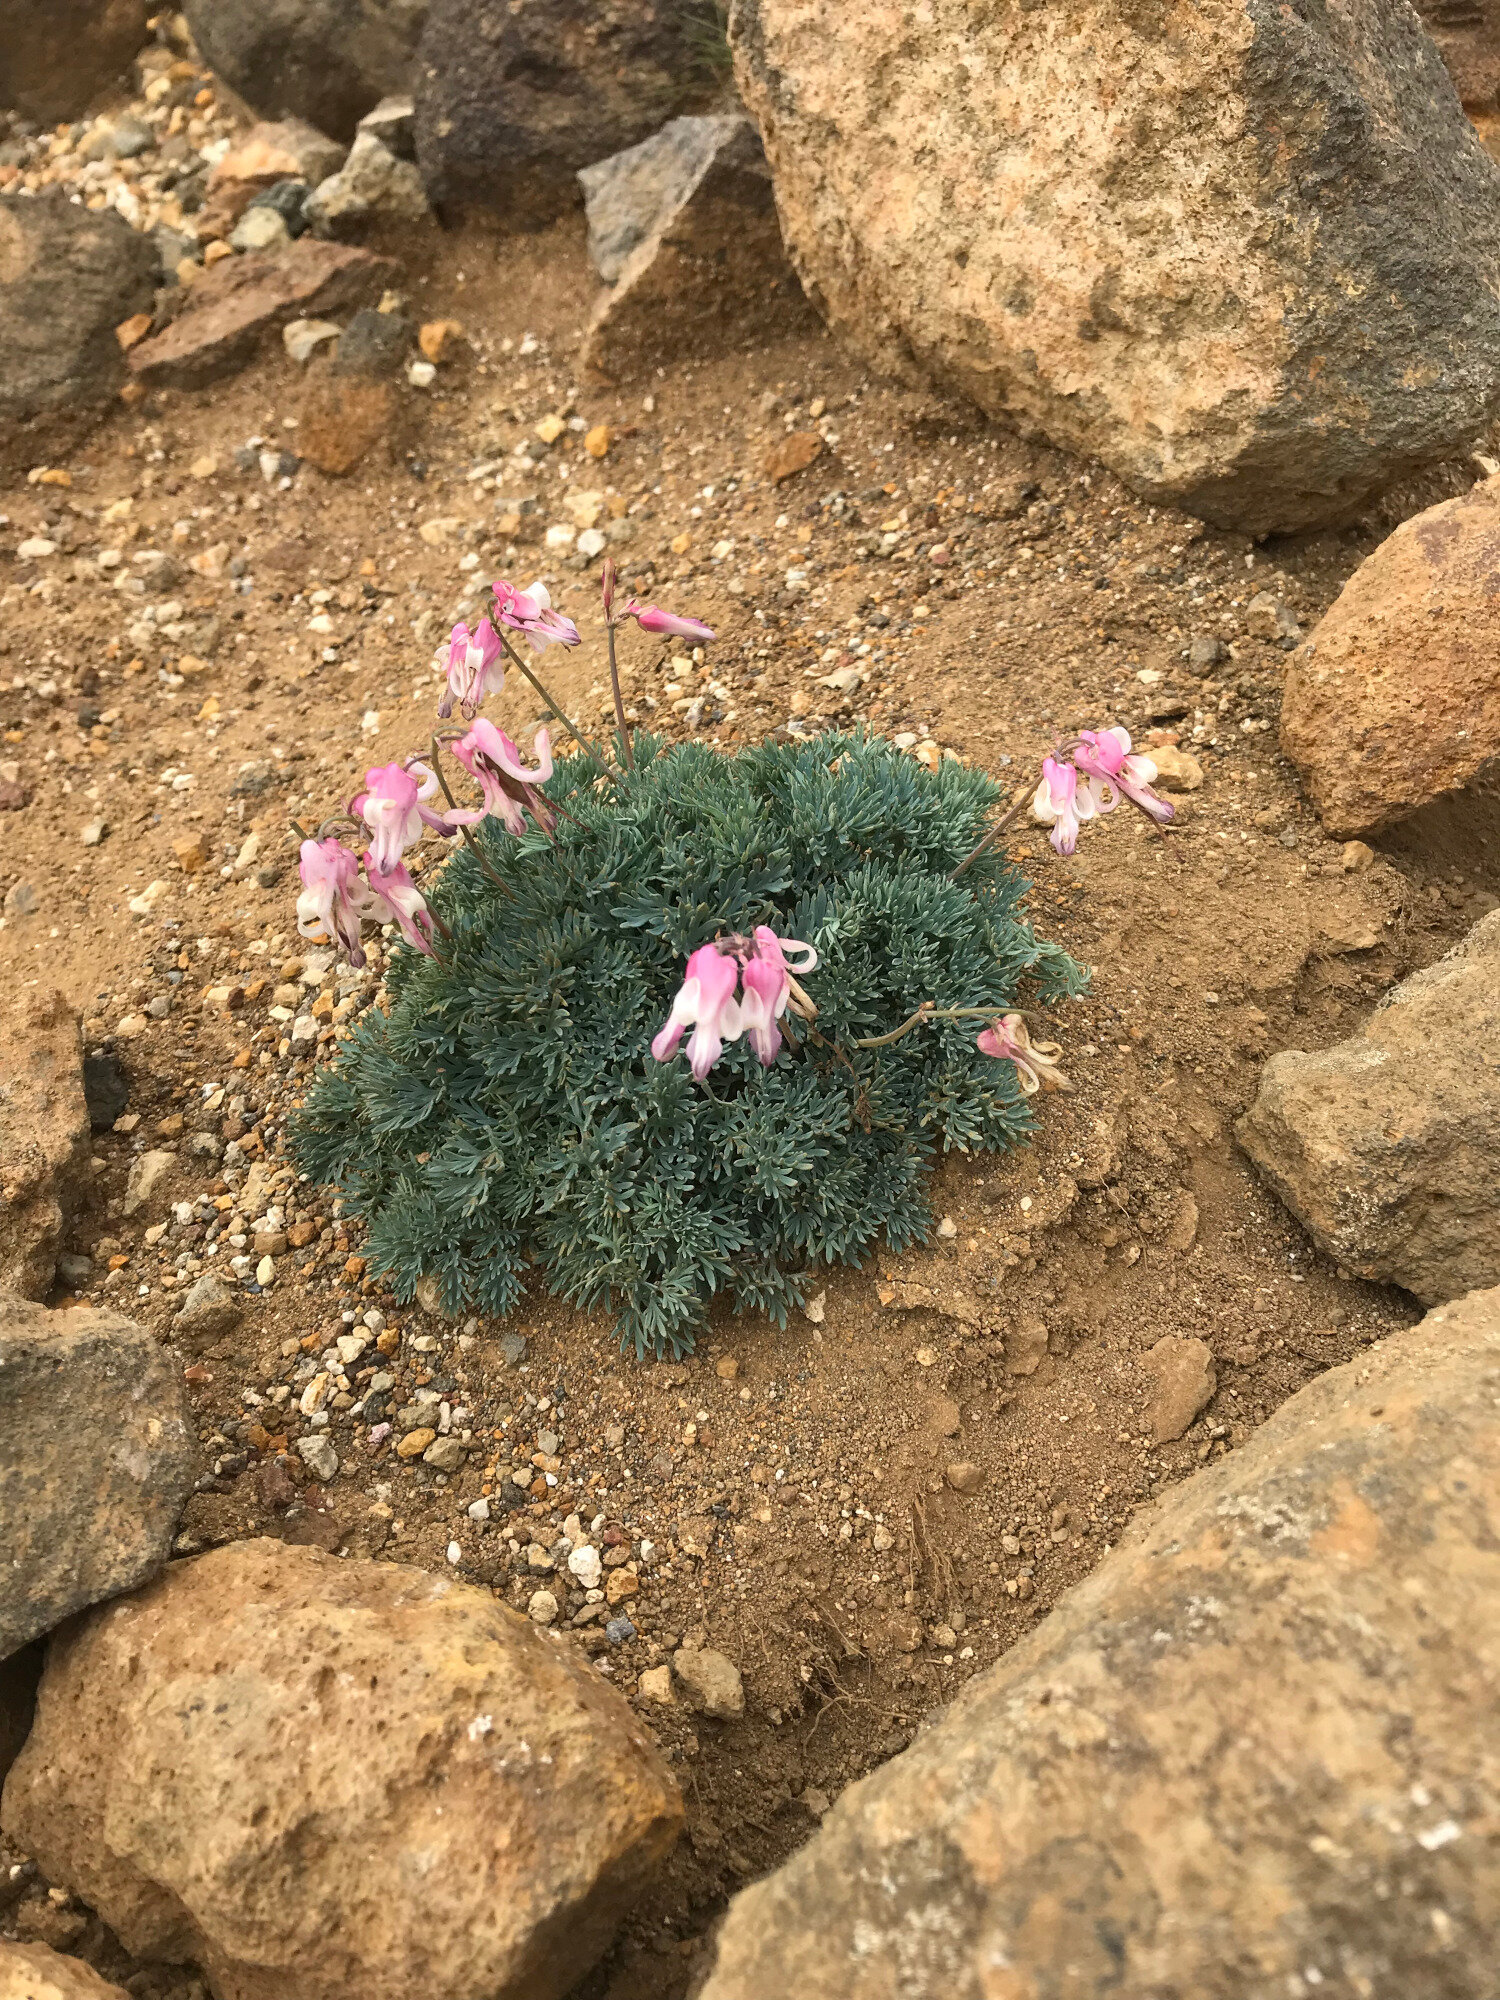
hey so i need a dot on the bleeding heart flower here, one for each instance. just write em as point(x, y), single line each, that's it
point(768, 988)
point(1036, 1062)
point(395, 899)
point(704, 1002)
point(530, 611)
point(1104, 755)
point(494, 762)
point(1062, 801)
point(392, 807)
point(666, 624)
point(333, 898)
point(471, 661)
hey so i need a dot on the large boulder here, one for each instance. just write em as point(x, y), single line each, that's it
point(321, 1778)
point(1385, 1147)
point(68, 277)
point(512, 100)
point(36, 1972)
point(1239, 1760)
point(44, 1133)
point(1395, 698)
point(56, 56)
point(328, 61)
point(1247, 255)
point(96, 1461)
point(683, 230)
point(1467, 33)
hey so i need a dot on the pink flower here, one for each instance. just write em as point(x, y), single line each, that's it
point(530, 611)
point(494, 762)
point(705, 1002)
point(666, 624)
point(333, 897)
point(395, 899)
point(1036, 1062)
point(1061, 802)
point(470, 660)
point(391, 807)
point(768, 988)
point(1104, 755)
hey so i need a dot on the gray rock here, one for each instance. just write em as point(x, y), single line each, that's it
point(209, 1310)
point(44, 1138)
point(512, 101)
point(393, 123)
point(328, 61)
point(372, 344)
point(1384, 1146)
point(147, 1172)
point(96, 1461)
point(628, 195)
point(445, 1454)
point(1204, 654)
point(372, 185)
point(22, 900)
point(1206, 1772)
point(710, 1682)
point(68, 277)
point(58, 55)
point(288, 199)
point(318, 1455)
point(130, 137)
point(1231, 286)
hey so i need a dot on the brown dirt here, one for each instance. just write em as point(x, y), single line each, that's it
point(792, 1483)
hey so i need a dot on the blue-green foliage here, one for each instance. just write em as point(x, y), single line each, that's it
point(508, 1111)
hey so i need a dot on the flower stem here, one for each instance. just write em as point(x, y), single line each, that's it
point(467, 831)
point(572, 727)
point(614, 681)
point(993, 834)
point(930, 1011)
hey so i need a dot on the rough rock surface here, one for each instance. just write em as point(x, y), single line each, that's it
point(329, 61)
point(44, 1136)
point(323, 1778)
point(1243, 1748)
point(96, 1461)
point(19, 1675)
point(372, 185)
point(512, 100)
point(1183, 1380)
point(684, 229)
point(36, 1972)
point(1245, 254)
point(1385, 1146)
point(57, 55)
point(68, 277)
point(1467, 33)
point(244, 297)
point(1396, 697)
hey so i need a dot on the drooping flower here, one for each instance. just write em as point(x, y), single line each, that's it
point(1104, 755)
point(471, 661)
point(704, 1002)
point(530, 611)
point(505, 784)
point(1036, 1062)
point(333, 897)
point(667, 624)
point(1062, 801)
point(395, 899)
point(392, 807)
point(768, 988)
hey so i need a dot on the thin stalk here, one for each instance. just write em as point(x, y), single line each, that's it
point(572, 727)
point(614, 681)
point(929, 1011)
point(467, 831)
point(993, 834)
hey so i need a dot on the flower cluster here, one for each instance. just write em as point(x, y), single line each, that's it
point(706, 1001)
point(1101, 770)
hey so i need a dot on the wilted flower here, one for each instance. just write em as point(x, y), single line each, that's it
point(1062, 801)
point(333, 897)
point(494, 762)
point(768, 988)
point(530, 611)
point(471, 661)
point(666, 624)
point(1036, 1062)
point(392, 807)
point(704, 1002)
point(1104, 755)
point(395, 899)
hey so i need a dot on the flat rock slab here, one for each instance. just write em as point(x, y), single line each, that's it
point(322, 1778)
point(241, 298)
point(96, 1460)
point(1386, 1147)
point(1246, 1747)
point(44, 1138)
point(36, 1972)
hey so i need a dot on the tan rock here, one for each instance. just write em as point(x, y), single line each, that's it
point(193, 1775)
point(290, 149)
point(191, 852)
point(964, 1476)
point(709, 1682)
point(1183, 1381)
point(1194, 1776)
point(1176, 770)
point(792, 455)
point(36, 1972)
point(438, 338)
point(1395, 699)
point(1384, 1146)
point(1091, 221)
point(44, 1137)
point(343, 418)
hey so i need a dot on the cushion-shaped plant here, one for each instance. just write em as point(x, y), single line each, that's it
point(507, 1110)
